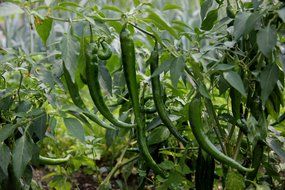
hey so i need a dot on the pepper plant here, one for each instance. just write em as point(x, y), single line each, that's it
point(192, 92)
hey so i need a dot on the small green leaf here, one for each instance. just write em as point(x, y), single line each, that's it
point(22, 154)
point(164, 67)
point(43, 28)
point(177, 70)
point(167, 165)
point(70, 52)
point(268, 80)
point(210, 20)
point(266, 40)
point(169, 6)
point(158, 135)
point(234, 181)
point(240, 24)
point(235, 81)
point(5, 158)
point(158, 20)
point(75, 128)
point(203, 90)
point(8, 9)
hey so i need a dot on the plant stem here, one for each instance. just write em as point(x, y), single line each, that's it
point(236, 151)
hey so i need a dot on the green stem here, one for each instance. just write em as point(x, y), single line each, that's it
point(238, 143)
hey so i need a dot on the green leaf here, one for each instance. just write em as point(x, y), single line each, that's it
point(136, 2)
point(266, 40)
point(203, 90)
point(164, 67)
point(22, 154)
point(75, 128)
point(39, 126)
point(43, 28)
point(268, 80)
point(8, 9)
point(240, 24)
point(167, 165)
point(234, 181)
point(5, 158)
point(207, 4)
point(235, 81)
point(158, 135)
point(70, 52)
point(177, 70)
point(6, 102)
point(210, 20)
point(169, 6)
point(6, 131)
point(276, 146)
point(281, 14)
point(251, 22)
point(158, 20)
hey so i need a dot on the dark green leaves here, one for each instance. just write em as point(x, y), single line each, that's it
point(4, 158)
point(177, 70)
point(210, 20)
point(266, 40)
point(6, 131)
point(240, 24)
point(70, 52)
point(235, 81)
point(158, 135)
point(268, 79)
point(22, 154)
point(75, 128)
point(43, 28)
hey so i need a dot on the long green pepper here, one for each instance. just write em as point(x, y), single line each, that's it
point(129, 67)
point(93, 84)
point(158, 101)
point(76, 98)
point(195, 112)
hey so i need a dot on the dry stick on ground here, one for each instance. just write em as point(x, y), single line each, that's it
point(118, 165)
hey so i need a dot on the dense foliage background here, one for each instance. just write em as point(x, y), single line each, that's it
point(229, 54)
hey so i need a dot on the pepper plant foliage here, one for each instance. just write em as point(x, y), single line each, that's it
point(71, 63)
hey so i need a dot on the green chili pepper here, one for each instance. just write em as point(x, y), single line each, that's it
point(105, 52)
point(157, 96)
point(75, 96)
point(53, 161)
point(195, 112)
point(92, 76)
point(129, 67)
